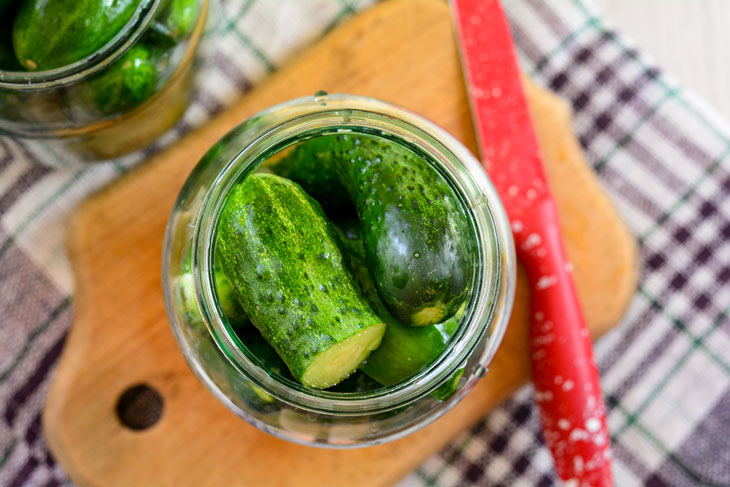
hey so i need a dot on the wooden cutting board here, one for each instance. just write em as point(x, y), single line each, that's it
point(402, 51)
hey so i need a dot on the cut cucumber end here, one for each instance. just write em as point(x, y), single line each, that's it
point(429, 316)
point(339, 361)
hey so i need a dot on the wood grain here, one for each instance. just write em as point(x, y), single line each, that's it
point(401, 51)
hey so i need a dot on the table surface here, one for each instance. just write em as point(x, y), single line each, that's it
point(688, 38)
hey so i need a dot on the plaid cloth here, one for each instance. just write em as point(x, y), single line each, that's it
point(662, 155)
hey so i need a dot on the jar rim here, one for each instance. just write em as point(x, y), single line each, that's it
point(493, 275)
point(91, 64)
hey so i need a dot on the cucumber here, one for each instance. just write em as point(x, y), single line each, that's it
point(8, 61)
point(404, 350)
point(228, 301)
point(5, 5)
point(417, 239)
point(260, 348)
point(51, 34)
point(312, 165)
point(449, 387)
point(267, 356)
point(269, 360)
point(220, 371)
point(357, 382)
point(159, 36)
point(416, 236)
point(127, 83)
point(174, 22)
point(179, 17)
point(247, 390)
point(282, 256)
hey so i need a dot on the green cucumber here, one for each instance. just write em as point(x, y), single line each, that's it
point(270, 360)
point(127, 83)
point(247, 390)
point(267, 356)
point(226, 297)
point(404, 350)
point(448, 387)
point(179, 17)
point(260, 348)
point(282, 256)
point(159, 36)
point(49, 35)
point(417, 239)
point(229, 302)
point(312, 165)
point(174, 22)
point(416, 236)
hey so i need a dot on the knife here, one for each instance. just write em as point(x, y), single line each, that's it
point(566, 380)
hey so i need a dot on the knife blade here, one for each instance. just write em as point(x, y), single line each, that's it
point(566, 380)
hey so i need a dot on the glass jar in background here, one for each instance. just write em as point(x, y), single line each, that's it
point(236, 376)
point(118, 99)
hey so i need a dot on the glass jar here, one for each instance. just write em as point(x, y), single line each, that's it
point(278, 405)
point(87, 108)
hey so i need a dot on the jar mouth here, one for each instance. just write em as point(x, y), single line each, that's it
point(492, 282)
point(91, 64)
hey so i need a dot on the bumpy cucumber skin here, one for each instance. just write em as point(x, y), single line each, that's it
point(282, 256)
point(49, 35)
point(312, 165)
point(127, 83)
point(404, 350)
point(417, 239)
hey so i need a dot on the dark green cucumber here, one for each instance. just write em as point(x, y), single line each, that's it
point(7, 58)
point(282, 256)
point(127, 83)
point(260, 348)
point(8, 61)
point(416, 236)
point(49, 35)
point(357, 382)
point(404, 350)
point(312, 165)
point(5, 5)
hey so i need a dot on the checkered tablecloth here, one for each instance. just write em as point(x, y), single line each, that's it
point(663, 156)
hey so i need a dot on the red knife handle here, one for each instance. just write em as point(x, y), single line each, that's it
point(566, 379)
